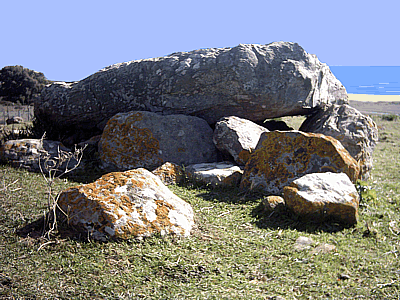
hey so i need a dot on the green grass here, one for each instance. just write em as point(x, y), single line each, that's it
point(236, 251)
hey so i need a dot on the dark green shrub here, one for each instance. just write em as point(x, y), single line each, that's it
point(21, 85)
point(390, 117)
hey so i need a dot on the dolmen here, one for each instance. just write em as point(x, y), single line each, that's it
point(201, 116)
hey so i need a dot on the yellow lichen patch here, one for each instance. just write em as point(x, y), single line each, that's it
point(320, 210)
point(125, 145)
point(299, 205)
point(270, 203)
point(121, 205)
point(169, 173)
point(286, 156)
point(232, 180)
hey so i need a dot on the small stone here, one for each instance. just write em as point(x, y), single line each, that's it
point(324, 248)
point(273, 203)
point(303, 242)
point(344, 277)
point(170, 173)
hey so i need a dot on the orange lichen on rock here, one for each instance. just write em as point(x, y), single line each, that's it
point(281, 157)
point(320, 196)
point(243, 157)
point(125, 146)
point(170, 173)
point(127, 204)
point(272, 203)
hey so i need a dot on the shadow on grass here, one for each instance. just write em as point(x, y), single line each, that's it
point(280, 218)
point(40, 228)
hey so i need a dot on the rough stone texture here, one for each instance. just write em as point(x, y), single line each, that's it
point(273, 203)
point(357, 132)
point(27, 153)
point(127, 204)
point(303, 243)
point(237, 137)
point(170, 173)
point(321, 196)
point(251, 81)
point(145, 139)
point(283, 156)
point(218, 173)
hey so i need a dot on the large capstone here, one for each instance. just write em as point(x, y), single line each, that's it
point(251, 81)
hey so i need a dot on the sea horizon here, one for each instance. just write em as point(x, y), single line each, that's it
point(369, 80)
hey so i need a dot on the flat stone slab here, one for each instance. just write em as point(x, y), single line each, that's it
point(219, 173)
point(30, 154)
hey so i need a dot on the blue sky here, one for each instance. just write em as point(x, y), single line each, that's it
point(70, 40)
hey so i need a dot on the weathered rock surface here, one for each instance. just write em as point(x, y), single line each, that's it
point(303, 243)
point(27, 153)
point(237, 137)
point(273, 203)
point(357, 133)
point(322, 196)
point(254, 82)
point(284, 156)
point(170, 173)
point(127, 204)
point(215, 174)
point(145, 139)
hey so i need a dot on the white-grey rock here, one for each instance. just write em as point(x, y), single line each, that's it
point(144, 139)
point(303, 243)
point(237, 137)
point(320, 196)
point(250, 81)
point(27, 153)
point(14, 120)
point(127, 204)
point(218, 173)
point(357, 133)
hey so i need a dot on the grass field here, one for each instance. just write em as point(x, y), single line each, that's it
point(237, 251)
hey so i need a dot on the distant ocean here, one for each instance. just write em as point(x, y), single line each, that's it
point(369, 80)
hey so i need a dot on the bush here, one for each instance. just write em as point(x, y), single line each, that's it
point(390, 117)
point(21, 85)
